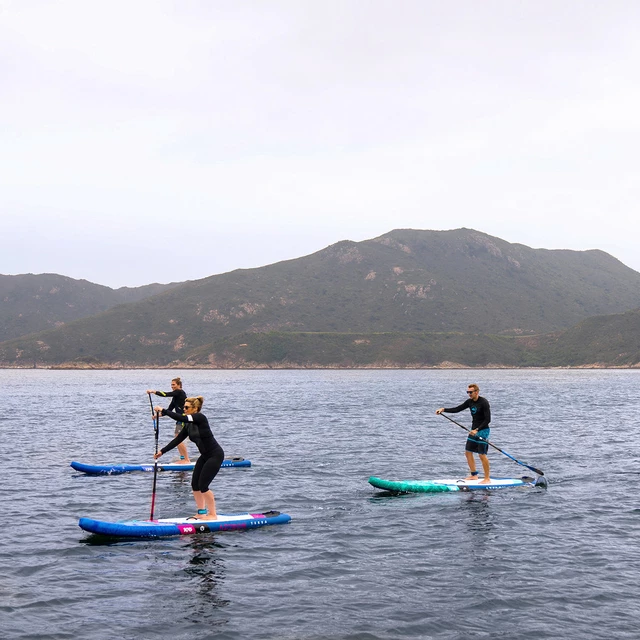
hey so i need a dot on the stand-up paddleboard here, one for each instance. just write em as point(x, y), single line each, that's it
point(450, 484)
point(115, 469)
point(182, 526)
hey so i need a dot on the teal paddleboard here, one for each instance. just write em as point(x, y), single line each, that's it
point(449, 484)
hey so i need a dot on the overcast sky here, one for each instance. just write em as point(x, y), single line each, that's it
point(152, 141)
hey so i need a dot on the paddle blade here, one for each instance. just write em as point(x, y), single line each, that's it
point(542, 482)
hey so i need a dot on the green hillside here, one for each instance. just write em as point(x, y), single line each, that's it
point(404, 282)
point(600, 341)
point(30, 303)
point(349, 350)
point(612, 340)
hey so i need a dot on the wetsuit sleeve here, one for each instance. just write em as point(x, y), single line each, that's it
point(459, 408)
point(178, 417)
point(170, 394)
point(184, 432)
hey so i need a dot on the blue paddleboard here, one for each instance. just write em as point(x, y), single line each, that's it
point(115, 469)
point(182, 526)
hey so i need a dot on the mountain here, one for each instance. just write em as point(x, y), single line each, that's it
point(612, 341)
point(404, 282)
point(355, 350)
point(31, 303)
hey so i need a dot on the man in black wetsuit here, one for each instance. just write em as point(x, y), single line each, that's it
point(481, 417)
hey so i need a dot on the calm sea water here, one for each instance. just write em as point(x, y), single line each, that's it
point(354, 562)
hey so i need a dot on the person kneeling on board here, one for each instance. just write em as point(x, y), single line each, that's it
point(196, 428)
point(481, 417)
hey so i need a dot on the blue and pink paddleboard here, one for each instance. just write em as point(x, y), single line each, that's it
point(182, 526)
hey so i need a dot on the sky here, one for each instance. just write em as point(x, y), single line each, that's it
point(152, 141)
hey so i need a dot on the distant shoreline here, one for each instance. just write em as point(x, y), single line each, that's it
point(453, 367)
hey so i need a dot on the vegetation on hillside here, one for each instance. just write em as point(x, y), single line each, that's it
point(32, 303)
point(413, 298)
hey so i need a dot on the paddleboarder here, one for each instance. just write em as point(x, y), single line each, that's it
point(178, 396)
point(481, 417)
point(196, 428)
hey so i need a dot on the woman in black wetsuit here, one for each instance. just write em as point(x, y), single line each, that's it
point(178, 396)
point(196, 428)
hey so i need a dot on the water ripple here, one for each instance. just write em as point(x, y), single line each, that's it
point(355, 563)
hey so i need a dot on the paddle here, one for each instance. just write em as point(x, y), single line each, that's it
point(156, 427)
point(540, 473)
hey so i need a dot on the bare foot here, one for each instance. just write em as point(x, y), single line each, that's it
point(471, 477)
point(485, 481)
point(204, 516)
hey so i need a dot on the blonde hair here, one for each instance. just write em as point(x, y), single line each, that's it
point(177, 381)
point(475, 387)
point(196, 402)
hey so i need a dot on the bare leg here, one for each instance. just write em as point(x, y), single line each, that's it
point(472, 466)
point(199, 498)
point(485, 467)
point(184, 453)
point(205, 501)
point(210, 502)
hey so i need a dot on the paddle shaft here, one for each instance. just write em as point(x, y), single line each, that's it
point(152, 411)
point(156, 424)
point(538, 471)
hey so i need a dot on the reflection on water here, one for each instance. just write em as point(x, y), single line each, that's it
point(205, 574)
point(475, 513)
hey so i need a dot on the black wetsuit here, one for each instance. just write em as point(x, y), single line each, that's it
point(196, 428)
point(178, 398)
point(481, 417)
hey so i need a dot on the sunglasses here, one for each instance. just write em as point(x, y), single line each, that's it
point(187, 406)
point(471, 392)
